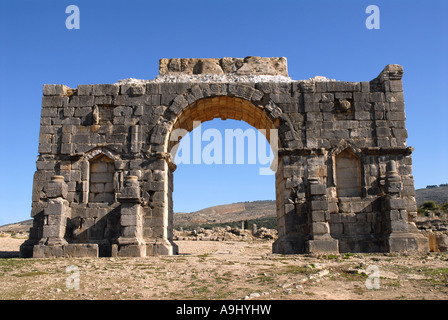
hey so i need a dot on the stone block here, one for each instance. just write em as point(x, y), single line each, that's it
point(50, 112)
point(404, 242)
point(362, 115)
point(105, 89)
point(85, 90)
point(394, 96)
point(395, 116)
point(399, 132)
point(130, 220)
point(320, 86)
point(56, 188)
point(319, 216)
point(339, 86)
point(365, 86)
point(46, 251)
point(130, 232)
point(394, 187)
point(132, 250)
point(395, 85)
point(81, 101)
point(56, 90)
point(156, 186)
point(408, 191)
point(54, 101)
point(58, 219)
point(101, 177)
point(364, 228)
point(45, 164)
point(53, 231)
point(129, 193)
point(362, 106)
point(361, 217)
point(289, 244)
point(81, 250)
point(80, 138)
point(395, 203)
point(333, 207)
point(382, 132)
point(122, 111)
point(396, 106)
point(130, 209)
point(44, 147)
point(153, 88)
point(322, 246)
point(350, 229)
point(348, 217)
point(114, 251)
point(383, 142)
point(319, 205)
point(399, 226)
point(161, 248)
point(133, 89)
point(376, 97)
point(335, 218)
point(320, 228)
point(257, 96)
point(307, 86)
point(336, 229)
point(318, 189)
point(155, 100)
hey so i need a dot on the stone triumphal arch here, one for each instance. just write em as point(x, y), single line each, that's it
point(104, 179)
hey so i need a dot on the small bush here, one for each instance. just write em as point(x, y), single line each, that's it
point(429, 205)
point(420, 210)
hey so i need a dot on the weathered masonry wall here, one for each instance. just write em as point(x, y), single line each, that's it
point(104, 179)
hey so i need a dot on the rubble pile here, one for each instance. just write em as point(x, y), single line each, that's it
point(225, 234)
point(435, 228)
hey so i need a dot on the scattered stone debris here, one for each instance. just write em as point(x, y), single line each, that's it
point(225, 234)
point(432, 222)
point(435, 228)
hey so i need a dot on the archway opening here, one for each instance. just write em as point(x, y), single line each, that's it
point(226, 164)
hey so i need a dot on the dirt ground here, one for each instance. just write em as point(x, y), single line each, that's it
point(225, 270)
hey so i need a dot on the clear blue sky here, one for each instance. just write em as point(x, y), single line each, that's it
point(123, 39)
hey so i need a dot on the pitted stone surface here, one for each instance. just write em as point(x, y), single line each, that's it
point(243, 67)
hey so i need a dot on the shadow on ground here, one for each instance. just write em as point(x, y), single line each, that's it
point(9, 254)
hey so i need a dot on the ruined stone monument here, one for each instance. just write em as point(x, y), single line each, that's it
point(104, 179)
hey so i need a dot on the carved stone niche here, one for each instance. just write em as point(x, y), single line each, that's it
point(101, 189)
point(348, 174)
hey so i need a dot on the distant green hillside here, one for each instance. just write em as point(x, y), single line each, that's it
point(268, 222)
point(226, 214)
point(437, 194)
